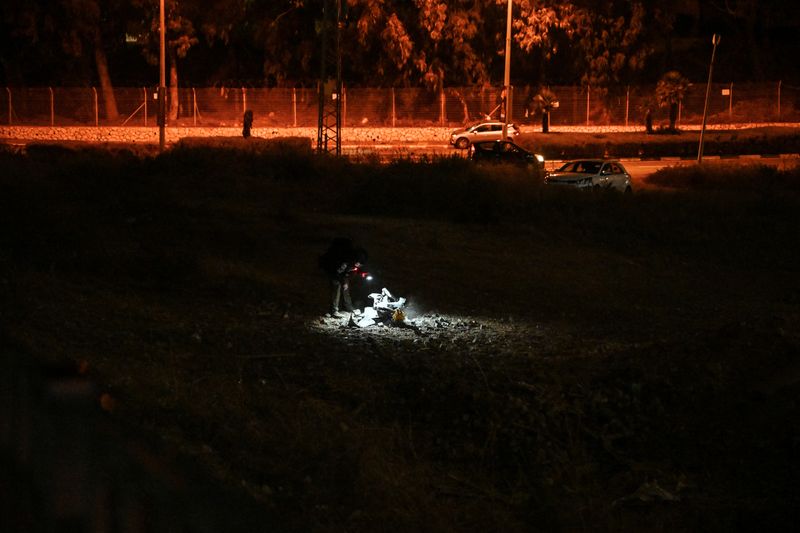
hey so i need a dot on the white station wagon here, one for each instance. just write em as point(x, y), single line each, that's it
point(592, 173)
point(489, 130)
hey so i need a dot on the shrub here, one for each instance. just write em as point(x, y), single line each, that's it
point(722, 176)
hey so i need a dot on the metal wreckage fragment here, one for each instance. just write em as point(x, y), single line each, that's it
point(386, 310)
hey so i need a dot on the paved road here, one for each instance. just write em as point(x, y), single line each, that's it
point(639, 169)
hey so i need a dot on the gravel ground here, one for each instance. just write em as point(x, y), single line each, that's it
point(601, 362)
point(352, 136)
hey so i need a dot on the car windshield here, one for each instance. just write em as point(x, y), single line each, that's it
point(583, 167)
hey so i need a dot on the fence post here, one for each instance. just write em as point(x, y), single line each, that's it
point(8, 90)
point(144, 92)
point(779, 100)
point(730, 104)
point(680, 111)
point(442, 109)
point(52, 108)
point(194, 107)
point(588, 91)
point(627, 103)
point(394, 116)
point(244, 99)
point(294, 106)
point(96, 110)
point(344, 106)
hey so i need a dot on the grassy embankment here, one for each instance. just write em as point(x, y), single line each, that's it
point(644, 342)
point(758, 141)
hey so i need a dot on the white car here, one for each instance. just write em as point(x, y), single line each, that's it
point(488, 130)
point(592, 173)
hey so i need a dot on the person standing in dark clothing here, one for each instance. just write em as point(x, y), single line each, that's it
point(339, 263)
point(248, 123)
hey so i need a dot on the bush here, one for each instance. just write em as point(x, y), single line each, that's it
point(560, 145)
point(723, 176)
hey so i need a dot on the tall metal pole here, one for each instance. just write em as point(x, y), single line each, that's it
point(507, 77)
point(715, 41)
point(331, 95)
point(162, 89)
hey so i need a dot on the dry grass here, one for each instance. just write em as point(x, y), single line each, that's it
point(599, 342)
point(561, 145)
point(721, 176)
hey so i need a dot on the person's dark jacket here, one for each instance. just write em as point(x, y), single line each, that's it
point(339, 258)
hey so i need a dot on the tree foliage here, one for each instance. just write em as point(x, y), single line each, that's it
point(671, 88)
point(423, 43)
point(670, 91)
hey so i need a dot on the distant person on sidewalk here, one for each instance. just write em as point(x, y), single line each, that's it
point(248, 123)
point(339, 262)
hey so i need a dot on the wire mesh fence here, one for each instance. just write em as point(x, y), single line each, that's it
point(394, 107)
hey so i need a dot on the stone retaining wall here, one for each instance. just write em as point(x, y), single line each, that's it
point(353, 136)
point(150, 135)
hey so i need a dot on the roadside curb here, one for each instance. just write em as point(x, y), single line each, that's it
point(710, 157)
point(444, 148)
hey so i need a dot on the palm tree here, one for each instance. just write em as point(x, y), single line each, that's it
point(544, 102)
point(669, 92)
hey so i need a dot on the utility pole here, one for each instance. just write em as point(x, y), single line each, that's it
point(507, 77)
point(162, 89)
point(329, 128)
point(715, 41)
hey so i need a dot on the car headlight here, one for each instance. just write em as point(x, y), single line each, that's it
point(539, 158)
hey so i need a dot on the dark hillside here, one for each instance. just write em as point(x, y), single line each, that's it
point(581, 361)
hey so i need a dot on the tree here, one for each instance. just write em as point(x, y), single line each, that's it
point(54, 37)
point(545, 27)
point(669, 92)
point(605, 43)
point(423, 42)
point(612, 41)
point(180, 37)
point(283, 36)
point(87, 19)
point(18, 33)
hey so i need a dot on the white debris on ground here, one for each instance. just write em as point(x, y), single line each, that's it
point(385, 309)
point(391, 319)
point(436, 332)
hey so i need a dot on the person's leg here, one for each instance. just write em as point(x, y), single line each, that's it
point(336, 290)
point(348, 302)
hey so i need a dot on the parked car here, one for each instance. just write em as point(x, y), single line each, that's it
point(506, 152)
point(488, 130)
point(592, 173)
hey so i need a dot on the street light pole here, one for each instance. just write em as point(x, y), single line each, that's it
point(162, 89)
point(507, 77)
point(715, 41)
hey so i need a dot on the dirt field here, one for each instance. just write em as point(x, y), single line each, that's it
point(578, 361)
